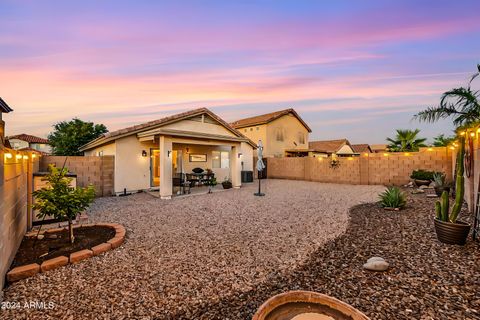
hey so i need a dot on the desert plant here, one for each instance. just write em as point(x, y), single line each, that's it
point(422, 175)
point(442, 141)
point(440, 179)
point(60, 200)
point(393, 197)
point(406, 140)
point(442, 207)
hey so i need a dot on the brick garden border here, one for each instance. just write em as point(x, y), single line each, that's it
point(29, 270)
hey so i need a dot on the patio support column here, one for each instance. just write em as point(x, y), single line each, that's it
point(235, 166)
point(165, 147)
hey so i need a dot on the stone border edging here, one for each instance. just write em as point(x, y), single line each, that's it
point(29, 270)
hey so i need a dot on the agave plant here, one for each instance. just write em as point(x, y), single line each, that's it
point(393, 197)
point(439, 178)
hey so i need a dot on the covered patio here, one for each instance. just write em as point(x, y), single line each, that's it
point(176, 153)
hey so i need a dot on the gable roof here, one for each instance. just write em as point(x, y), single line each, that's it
point(4, 107)
point(378, 147)
point(29, 138)
point(361, 148)
point(266, 118)
point(328, 146)
point(111, 136)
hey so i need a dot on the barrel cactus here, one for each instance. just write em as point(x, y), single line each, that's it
point(442, 207)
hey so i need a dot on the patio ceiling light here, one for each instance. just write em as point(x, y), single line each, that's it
point(8, 155)
point(18, 156)
point(25, 157)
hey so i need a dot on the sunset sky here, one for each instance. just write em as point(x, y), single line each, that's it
point(354, 69)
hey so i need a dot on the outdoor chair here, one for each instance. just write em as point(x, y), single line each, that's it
point(178, 180)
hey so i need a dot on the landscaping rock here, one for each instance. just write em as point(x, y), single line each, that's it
point(373, 259)
point(377, 265)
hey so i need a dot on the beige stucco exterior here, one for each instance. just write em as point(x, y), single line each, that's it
point(199, 135)
point(20, 144)
point(288, 127)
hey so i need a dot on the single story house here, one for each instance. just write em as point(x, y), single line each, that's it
point(325, 148)
point(283, 133)
point(147, 155)
point(361, 148)
point(27, 142)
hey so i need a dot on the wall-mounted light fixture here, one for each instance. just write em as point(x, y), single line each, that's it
point(34, 155)
point(8, 155)
point(18, 156)
point(144, 153)
point(239, 155)
point(25, 157)
point(168, 153)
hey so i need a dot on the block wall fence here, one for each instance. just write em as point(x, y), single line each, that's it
point(16, 184)
point(98, 171)
point(392, 168)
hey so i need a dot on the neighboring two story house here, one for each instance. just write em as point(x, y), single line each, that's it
point(28, 142)
point(283, 133)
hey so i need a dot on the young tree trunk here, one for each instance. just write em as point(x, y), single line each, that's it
point(70, 230)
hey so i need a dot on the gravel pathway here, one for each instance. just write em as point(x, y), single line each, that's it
point(427, 279)
point(191, 252)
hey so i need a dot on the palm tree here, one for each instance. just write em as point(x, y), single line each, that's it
point(463, 104)
point(406, 140)
point(442, 141)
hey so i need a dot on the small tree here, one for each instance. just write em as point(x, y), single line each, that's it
point(60, 200)
point(69, 136)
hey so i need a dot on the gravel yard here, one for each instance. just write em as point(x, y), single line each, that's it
point(200, 256)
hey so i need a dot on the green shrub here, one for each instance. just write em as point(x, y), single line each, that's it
point(393, 197)
point(423, 174)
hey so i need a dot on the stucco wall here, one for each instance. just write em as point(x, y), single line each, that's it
point(290, 126)
point(256, 133)
point(15, 200)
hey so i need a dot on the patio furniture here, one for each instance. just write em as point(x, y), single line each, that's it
point(178, 180)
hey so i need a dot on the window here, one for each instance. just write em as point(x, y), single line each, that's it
point(279, 134)
point(301, 138)
point(220, 159)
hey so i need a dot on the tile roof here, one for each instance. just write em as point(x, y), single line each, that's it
point(109, 136)
point(327, 146)
point(361, 148)
point(4, 107)
point(28, 138)
point(266, 118)
point(378, 147)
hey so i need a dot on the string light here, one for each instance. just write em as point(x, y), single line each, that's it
point(385, 154)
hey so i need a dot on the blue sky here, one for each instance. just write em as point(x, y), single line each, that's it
point(351, 69)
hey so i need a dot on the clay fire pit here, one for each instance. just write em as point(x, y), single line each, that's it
point(306, 305)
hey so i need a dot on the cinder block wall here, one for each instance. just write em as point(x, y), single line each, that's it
point(98, 171)
point(15, 200)
point(372, 168)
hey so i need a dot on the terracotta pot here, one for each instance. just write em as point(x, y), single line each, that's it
point(422, 182)
point(294, 303)
point(452, 233)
